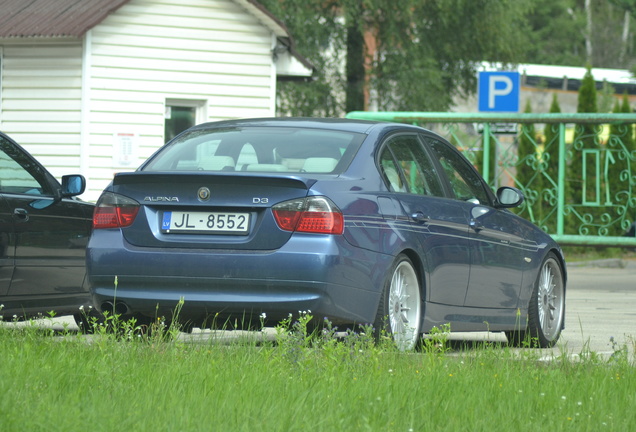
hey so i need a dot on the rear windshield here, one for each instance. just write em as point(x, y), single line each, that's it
point(259, 149)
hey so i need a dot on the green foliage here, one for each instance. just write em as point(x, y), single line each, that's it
point(70, 382)
point(530, 169)
point(557, 33)
point(423, 52)
point(550, 157)
point(579, 189)
point(554, 36)
point(417, 55)
point(618, 152)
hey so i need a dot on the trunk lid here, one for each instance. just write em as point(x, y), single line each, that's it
point(208, 211)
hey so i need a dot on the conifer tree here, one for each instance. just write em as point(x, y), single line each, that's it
point(550, 162)
point(579, 190)
point(528, 175)
point(619, 149)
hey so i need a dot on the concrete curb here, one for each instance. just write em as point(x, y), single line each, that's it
point(603, 263)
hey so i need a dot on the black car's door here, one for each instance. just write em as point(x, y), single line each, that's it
point(7, 247)
point(50, 234)
point(440, 222)
point(496, 256)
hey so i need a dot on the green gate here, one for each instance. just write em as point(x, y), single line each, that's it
point(577, 171)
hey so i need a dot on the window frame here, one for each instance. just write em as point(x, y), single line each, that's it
point(199, 105)
point(32, 167)
point(433, 190)
point(487, 191)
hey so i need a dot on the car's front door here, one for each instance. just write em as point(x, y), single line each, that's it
point(496, 258)
point(50, 233)
point(7, 247)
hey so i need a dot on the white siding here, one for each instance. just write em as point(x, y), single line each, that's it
point(40, 106)
point(152, 50)
point(146, 52)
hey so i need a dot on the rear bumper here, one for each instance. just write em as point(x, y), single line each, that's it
point(324, 274)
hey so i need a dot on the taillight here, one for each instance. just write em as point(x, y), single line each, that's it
point(310, 215)
point(114, 211)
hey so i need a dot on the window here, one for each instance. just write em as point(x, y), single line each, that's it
point(407, 168)
point(259, 149)
point(465, 183)
point(181, 115)
point(19, 174)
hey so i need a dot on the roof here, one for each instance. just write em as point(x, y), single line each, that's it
point(568, 77)
point(73, 18)
point(53, 18)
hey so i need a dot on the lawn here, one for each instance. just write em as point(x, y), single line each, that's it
point(125, 381)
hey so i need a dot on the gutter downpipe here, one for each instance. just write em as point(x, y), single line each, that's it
point(85, 106)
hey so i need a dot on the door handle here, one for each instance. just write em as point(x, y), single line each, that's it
point(420, 217)
point(21, 214)
point(475, 225)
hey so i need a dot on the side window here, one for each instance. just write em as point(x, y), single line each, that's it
point(18, 173)
point(464, 181)
point(407, 168)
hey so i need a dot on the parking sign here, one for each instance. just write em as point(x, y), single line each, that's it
point(499, 91)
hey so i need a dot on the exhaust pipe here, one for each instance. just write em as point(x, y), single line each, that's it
point(118, 308)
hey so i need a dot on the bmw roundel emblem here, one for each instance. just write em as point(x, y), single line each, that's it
point(203, 194)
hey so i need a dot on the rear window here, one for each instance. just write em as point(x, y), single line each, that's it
point(259, 149)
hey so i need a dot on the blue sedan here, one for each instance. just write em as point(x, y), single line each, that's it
point(358, 222)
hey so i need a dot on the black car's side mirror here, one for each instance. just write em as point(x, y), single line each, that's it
point(73, 185)
point(508, 197)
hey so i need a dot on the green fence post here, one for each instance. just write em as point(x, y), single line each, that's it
point(486, 155)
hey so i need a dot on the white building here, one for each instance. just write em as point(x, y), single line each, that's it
point(94, 86)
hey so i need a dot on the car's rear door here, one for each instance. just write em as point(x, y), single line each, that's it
point(439, 223)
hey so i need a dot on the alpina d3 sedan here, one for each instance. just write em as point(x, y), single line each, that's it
point(358, 222)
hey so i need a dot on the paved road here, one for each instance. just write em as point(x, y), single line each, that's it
point(600, 305)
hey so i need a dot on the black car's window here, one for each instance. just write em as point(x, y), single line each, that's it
point(407, 168)
point(18, 173)
point(465, 183)
point(259, 149)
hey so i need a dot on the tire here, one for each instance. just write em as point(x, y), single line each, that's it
point(400, 309)
point(546, 310)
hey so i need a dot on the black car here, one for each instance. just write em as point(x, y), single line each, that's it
point(44, 230)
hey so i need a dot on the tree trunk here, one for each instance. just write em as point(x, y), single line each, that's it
point(355, 70)
point(624, 41)
point(588, 31)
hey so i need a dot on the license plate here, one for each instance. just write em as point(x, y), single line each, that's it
point(216, 222)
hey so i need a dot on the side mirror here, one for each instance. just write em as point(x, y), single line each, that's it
point(73, 185)
point(508, 197)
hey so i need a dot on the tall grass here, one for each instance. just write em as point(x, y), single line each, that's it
point(112, 382)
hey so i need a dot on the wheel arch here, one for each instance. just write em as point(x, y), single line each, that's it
point(564, 270)
point(419, 265)
point(559, 254)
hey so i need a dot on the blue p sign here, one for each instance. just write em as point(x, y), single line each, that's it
point(498, 91)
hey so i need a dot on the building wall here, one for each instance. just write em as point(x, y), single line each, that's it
point(40, 100)
point(74, 104)
point(208, 52)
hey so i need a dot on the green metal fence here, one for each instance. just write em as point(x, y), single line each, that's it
point(577, 171)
